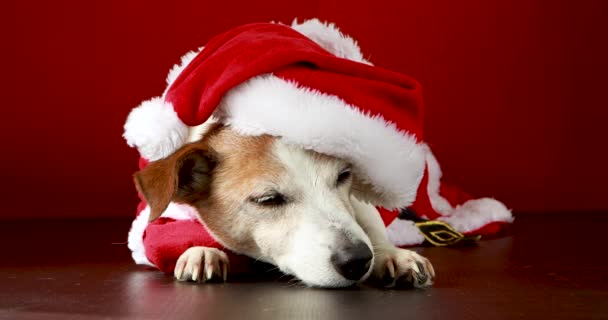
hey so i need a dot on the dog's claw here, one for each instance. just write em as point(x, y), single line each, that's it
point(196, 273)
point(201, 264)
point(404, 268)
point(179, 269)
point(391, 268)
point(225, 271)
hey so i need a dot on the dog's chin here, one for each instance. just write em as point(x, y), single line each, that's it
point(334, 285)
point(337, 282)
point(324, 278)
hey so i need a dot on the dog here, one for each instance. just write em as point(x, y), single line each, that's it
point(278, 203)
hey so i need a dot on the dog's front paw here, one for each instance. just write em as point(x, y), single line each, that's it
point(201, 264)
point(404, 268)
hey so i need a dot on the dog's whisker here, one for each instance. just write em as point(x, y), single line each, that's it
point(295, 283)
point(286, 275)
point(272, 269)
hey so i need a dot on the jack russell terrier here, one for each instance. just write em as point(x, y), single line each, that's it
point(283, 144)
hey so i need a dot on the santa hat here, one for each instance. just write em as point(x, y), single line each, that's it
point(309, 85)
point(270, 79)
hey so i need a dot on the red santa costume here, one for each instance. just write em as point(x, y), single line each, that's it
point(310, 85)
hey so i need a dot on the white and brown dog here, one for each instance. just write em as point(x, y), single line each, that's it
point(288, 168)
point(280, 204)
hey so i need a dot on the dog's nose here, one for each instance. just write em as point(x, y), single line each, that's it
point(353, 261)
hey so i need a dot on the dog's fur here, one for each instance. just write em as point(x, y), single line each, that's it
point(277, 203)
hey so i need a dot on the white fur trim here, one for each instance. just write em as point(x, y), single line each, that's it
point(155, 129)
point(329, 37)
point(439, 203)
point(404, 233)
point(477, 213)
point(136, 238)
point(136, 234)
point(180, 211)
point(392, 161)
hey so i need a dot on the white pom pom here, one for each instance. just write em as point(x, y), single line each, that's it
point(155, 129)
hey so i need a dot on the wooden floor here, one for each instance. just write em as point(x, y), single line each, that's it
point(553, 267)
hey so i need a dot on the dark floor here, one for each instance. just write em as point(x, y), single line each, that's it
point(554, 267)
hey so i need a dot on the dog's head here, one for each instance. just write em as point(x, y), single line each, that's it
point(269, 200)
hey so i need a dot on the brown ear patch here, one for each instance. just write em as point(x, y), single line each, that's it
point(157, 184)
point(185, 177)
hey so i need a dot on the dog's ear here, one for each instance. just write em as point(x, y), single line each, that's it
point(183, 177)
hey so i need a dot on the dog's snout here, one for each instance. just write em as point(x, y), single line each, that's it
point(353, 261)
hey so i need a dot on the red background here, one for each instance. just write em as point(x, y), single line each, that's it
point(515, 91)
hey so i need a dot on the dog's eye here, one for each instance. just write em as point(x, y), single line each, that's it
point(270, 200)
point(343, 176)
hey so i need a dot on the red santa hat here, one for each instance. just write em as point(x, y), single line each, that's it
point(310, 85)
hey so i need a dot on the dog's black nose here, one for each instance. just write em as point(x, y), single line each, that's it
point(353, 261)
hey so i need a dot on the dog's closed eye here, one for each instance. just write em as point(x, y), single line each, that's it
point(343, 176)
point(272, 199)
